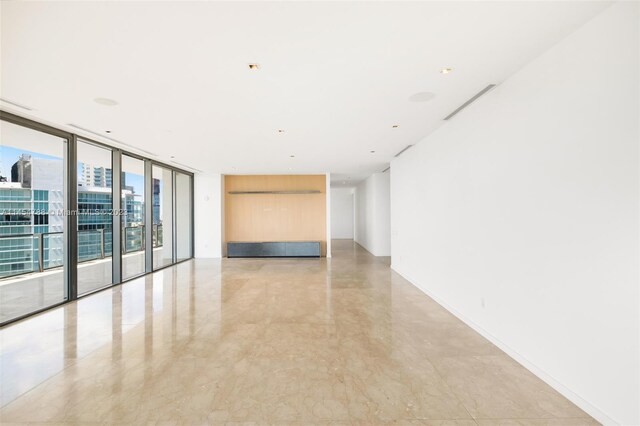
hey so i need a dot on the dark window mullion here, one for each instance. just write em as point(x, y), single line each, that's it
point(70, 226)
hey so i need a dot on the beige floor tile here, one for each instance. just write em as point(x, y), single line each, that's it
point(340, 341)
point(495, 386)
point(538, 422)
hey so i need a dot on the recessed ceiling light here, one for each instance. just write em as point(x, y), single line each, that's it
point(373, 152)
point(446, 70)
point(173, 156)
point(395, 126)
point(108, 131)
point(105, 101)
point(292, 156)
point(254, 66)
point(421, 97)
point(280, 130)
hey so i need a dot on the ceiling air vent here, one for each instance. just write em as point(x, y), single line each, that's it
point(75, 126)
point(470, 101)
point(92, 132)
point(184, 166)
point(400, 153)
point(7, 101)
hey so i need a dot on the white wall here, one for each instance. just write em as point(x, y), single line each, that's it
point(208, 215)
point(521, 215)
point(328, 211)
point(342, 213)
point(372, 214)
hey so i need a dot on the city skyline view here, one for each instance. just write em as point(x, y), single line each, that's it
point(31, 194)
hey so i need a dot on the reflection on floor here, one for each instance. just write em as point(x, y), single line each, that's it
point(305, 341)
point(27, 293)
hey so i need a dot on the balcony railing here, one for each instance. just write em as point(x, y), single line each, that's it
point(28, 253)
point(133, 238)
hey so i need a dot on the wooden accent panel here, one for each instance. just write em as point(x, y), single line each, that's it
point(275, 217)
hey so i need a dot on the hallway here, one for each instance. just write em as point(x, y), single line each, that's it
point(308, 341)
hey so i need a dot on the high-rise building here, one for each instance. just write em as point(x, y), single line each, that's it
point(31, 205)
point(21, 171)
point(95, 176)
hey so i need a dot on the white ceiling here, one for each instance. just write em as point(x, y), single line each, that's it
point(335, 76)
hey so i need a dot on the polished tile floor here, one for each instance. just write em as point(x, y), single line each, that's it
point(267, 341)
point(22, 294)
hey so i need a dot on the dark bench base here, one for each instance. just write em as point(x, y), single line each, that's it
point(274, 249)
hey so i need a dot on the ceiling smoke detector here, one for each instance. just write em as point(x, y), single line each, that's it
point(254, 67)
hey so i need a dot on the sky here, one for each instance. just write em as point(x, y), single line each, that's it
point(9, 155)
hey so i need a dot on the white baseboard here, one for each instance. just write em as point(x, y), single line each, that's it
point(583, 404)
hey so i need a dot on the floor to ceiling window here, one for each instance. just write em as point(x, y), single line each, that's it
point(58, 213)
point(95, 226)
point(183, 216)
point(31, 220)
point(162, 217)
point(133, 220)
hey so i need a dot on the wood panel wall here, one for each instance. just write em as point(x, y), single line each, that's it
point(275, 217)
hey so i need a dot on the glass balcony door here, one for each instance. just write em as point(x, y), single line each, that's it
point(183, 216)
point(95, 220)
point(65, 233)
point(32, 195)
point(133, 217)
point(163, 214)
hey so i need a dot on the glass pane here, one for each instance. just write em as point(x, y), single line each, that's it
point(94, 217)
point(133, 219)
point(162, 217)
point(183, 215)
point(31, 221)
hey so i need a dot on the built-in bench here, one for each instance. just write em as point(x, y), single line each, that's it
point(274, 249)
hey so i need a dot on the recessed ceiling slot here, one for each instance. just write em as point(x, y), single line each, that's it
point(470, 101)
point(406, 148)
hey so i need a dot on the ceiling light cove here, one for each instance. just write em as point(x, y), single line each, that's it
point(254, 67)
point(105, 101)
point(446, 70)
